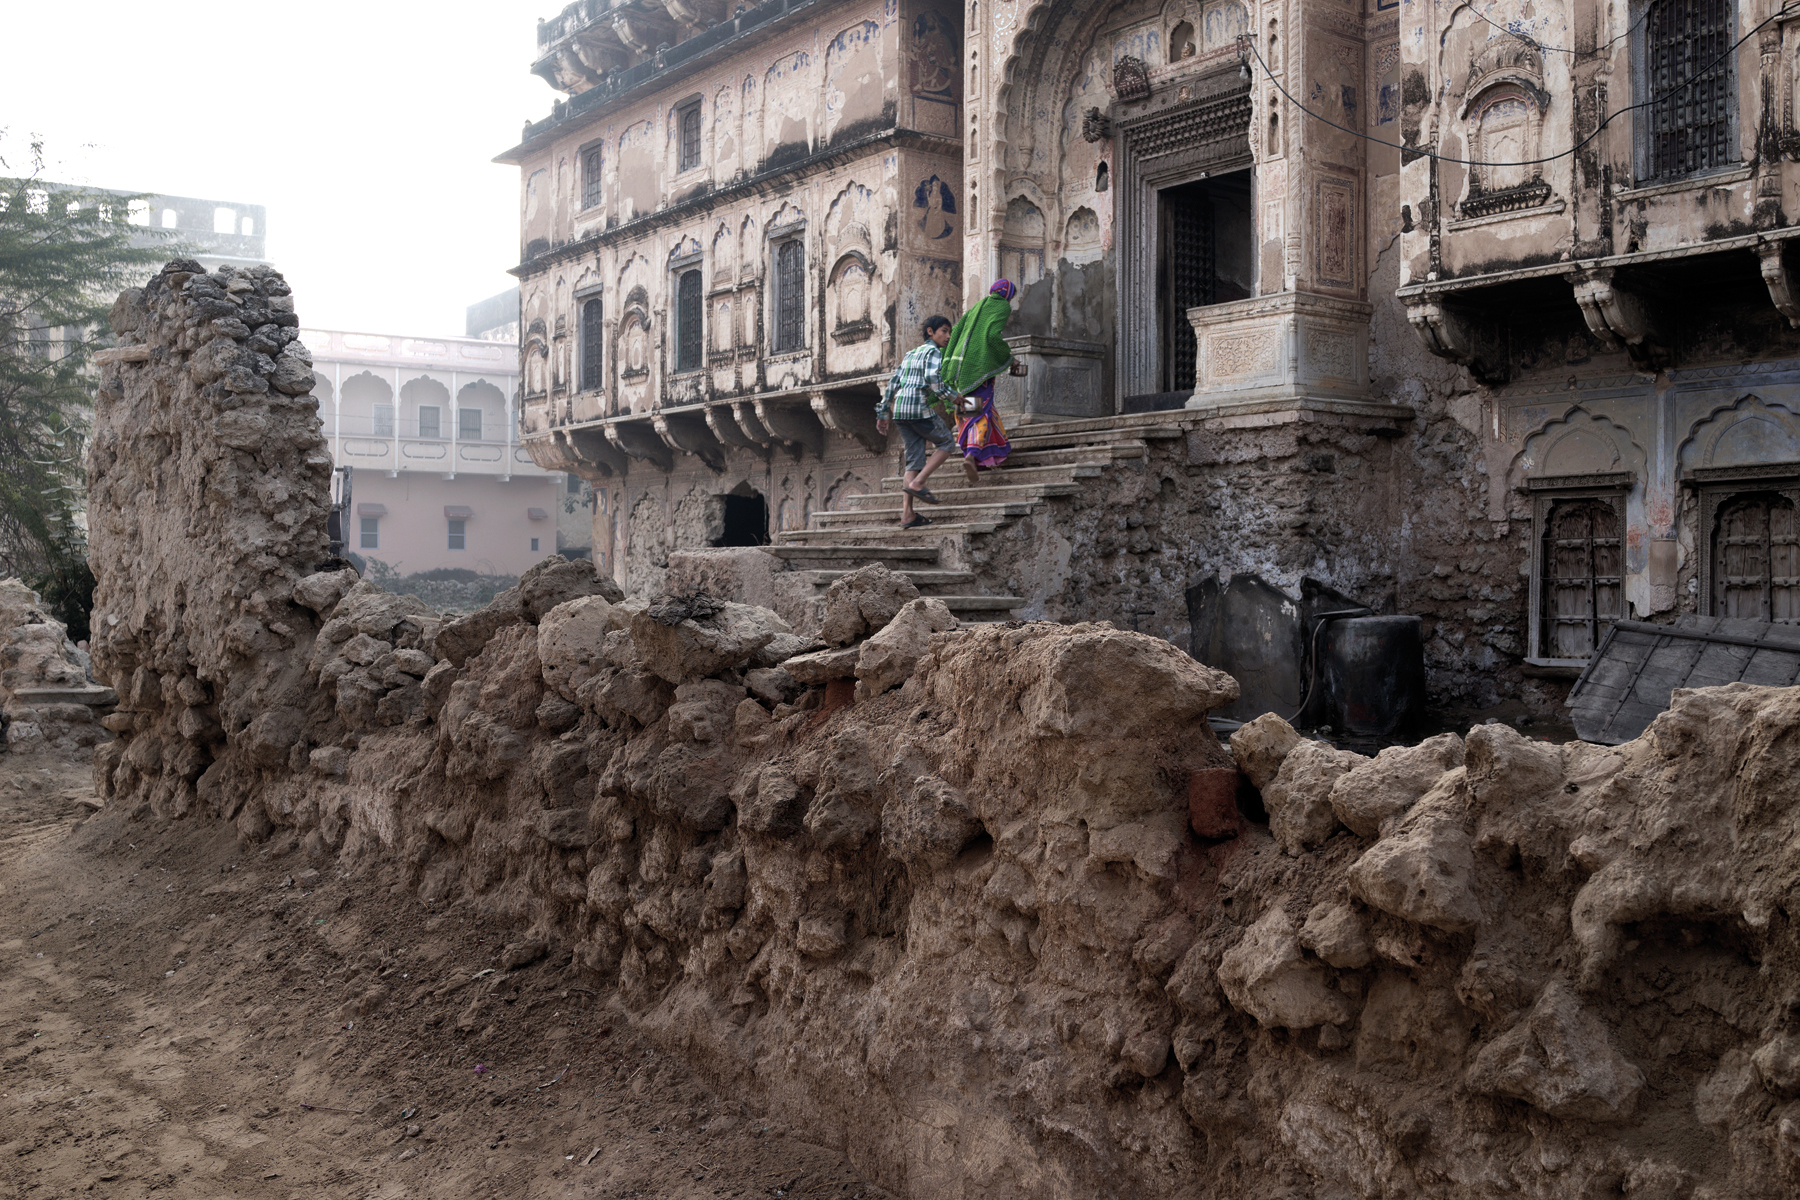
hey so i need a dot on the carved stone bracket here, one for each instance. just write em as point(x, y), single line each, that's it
point(690, 434)
point(1781, 286)
point(1460, 336)
point(793, 424)
point(640, 440)
point(1616, 315)
point(552, 453)
point(753, 427)
point(852, 415)
point(596, 458)
point(721, 419)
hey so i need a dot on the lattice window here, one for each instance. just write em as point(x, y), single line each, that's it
point(690, 309)
point(591, 342)
point(690, 137)
point(1190, 277)
point(591, 167)
point(1687, 79)
point(1583, 576)
point(790, 295)
point(1756, 559)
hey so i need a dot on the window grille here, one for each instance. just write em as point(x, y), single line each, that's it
point(1688, 119)
point(370, 538)
point(590, 178)
point(591, 341)
point(458, 536)
point(468, 424)
point(1756, 559)
point(688, 311)
point(1583, 576)
point(690, 137)
point(384, 420)
point(790, 295)
point(428, 421)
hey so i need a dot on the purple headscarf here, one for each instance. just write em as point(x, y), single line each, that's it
point(1004, 289)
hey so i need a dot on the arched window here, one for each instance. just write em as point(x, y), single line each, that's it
point(1584, 571)
point(591, 167)
point(591, 343)
point(1756, 559)
point(1182, 42)
point(690, 137)
point(690, 342)
point(790, 295)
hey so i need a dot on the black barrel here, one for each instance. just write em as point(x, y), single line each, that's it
point(1374, 673)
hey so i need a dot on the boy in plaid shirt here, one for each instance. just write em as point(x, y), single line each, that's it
point(914, 400)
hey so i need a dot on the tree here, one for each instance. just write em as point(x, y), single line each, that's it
point(65, 254)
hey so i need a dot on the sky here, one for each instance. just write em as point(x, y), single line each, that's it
point(367, 130)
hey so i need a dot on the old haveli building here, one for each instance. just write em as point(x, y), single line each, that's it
point(1483, 315)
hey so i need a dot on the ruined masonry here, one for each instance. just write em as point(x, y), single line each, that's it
point(950, 916)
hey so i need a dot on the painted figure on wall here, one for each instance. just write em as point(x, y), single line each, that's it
point(933, 196)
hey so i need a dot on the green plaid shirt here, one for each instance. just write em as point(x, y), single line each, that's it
point(916, 387)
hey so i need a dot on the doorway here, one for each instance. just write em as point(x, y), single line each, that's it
point(1206, 254)
point(745, 518)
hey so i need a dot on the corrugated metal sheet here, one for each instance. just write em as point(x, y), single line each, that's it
point(1629, 679)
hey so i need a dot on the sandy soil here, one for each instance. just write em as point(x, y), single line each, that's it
point(185, 1017)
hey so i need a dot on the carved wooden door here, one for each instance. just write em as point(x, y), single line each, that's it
point(1756, 571)
point(1583, 567)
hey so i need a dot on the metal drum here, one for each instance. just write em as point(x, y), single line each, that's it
point(1374, 673)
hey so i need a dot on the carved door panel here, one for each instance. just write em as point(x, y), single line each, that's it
point(1583, 566)
point(1756, 573)
point(1784, 563)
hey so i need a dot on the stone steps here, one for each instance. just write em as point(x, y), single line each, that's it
point(925, 580)
point(1048, 461)
point(940, 514)
point(1014, 476)
point(1002, 492)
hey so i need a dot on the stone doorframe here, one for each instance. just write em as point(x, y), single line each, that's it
point(1176, 136)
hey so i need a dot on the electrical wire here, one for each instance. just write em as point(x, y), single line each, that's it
point(1543, 49)
point(1422, 152)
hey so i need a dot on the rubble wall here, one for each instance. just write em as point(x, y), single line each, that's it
point(962, 929)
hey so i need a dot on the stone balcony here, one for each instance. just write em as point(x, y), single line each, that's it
point(1287, 347)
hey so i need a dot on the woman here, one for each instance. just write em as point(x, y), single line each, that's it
point(976, 353)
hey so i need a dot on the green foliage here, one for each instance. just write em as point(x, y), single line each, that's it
point(65, 254)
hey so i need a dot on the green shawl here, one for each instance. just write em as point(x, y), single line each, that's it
point(976, 352)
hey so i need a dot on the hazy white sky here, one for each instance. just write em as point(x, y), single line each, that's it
point(365, 127)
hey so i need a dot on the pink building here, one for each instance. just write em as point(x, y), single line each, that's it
point(429, 426)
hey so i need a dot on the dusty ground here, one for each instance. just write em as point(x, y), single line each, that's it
point(184, 1017)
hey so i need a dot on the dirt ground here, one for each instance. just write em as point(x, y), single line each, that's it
point(185, 1017)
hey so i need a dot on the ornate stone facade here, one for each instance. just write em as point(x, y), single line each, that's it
point(1496, 240)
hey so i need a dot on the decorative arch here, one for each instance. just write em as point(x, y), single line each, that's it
point(851, 295)
point(1579, 443)
point(1748, 431)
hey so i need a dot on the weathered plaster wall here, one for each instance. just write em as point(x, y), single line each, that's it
point(785, 154)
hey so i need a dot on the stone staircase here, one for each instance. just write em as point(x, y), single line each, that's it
point(1047, 461)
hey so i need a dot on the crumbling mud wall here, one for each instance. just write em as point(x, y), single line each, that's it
point(933, 891)
point(47, 701)
point(207, 497)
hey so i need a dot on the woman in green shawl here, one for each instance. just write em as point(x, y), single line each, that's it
point(975, 355)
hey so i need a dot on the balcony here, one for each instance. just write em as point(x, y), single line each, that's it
point(575, 52)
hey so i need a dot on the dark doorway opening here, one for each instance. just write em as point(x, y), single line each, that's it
point(1206, 254)
point(746, 518)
